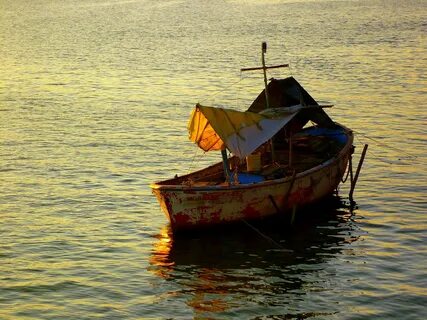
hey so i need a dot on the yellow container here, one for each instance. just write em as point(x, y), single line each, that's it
point(253, 162)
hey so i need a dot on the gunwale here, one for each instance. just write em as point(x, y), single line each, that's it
point(165, 186)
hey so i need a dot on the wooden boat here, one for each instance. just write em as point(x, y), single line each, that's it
point(279, 163)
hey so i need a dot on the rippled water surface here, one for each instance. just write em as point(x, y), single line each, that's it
point(94, 101)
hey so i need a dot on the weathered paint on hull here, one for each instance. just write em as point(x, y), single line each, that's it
point(190, 207)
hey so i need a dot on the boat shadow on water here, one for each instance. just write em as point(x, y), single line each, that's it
point(218, 265)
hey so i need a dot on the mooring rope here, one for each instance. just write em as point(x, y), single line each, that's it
point(383, 144)
point(190, 168)
point(349, 168)
point(278, 245)
point(222, 90)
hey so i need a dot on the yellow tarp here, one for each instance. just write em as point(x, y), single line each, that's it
point(240, 132)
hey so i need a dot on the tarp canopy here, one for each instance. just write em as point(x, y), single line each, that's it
point(285, 93)
point(240, 132)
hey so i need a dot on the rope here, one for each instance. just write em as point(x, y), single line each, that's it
point(190, 168)
point(350, 168)
point(222, 90)
point(408, 155)
point(278, 245)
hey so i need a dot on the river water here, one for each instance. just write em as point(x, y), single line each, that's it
point(94, 102)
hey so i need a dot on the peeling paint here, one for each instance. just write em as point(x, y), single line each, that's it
point(189, 208)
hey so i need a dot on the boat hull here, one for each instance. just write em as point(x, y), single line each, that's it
point(190, 207)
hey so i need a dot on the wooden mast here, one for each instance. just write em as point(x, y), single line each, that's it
point(263, 52)
point(264, 68)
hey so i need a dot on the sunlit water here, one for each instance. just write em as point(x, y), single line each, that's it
point(94, 101)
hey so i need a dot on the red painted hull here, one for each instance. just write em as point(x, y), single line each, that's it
point(191, 206)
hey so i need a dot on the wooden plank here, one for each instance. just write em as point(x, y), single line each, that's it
point(266, 67)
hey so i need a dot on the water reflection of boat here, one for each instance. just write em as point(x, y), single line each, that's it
point(216, 270)
point(279, 162)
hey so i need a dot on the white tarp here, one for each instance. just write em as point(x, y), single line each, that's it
point(240, 132)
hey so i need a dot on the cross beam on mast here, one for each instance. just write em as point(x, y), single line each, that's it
point(264, 68)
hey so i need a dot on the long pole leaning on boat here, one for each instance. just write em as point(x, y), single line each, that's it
point(359, 167)
point(264, 68)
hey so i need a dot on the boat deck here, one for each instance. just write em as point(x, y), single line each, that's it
point(305, 151)
point(305, 154)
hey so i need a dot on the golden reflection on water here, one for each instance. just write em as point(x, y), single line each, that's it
point(206, 287)
point(159, 259)
point(203, 282)
point(213, 269)
point(94, 105)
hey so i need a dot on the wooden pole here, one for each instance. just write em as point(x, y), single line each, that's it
point(285, 200)
point(290, 149)
point(356, 176)
point(267, 100)
point(294, 211)
point(225, 165)
point(264, 69)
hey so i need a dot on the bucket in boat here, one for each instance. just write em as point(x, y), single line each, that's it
point(253, 162)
